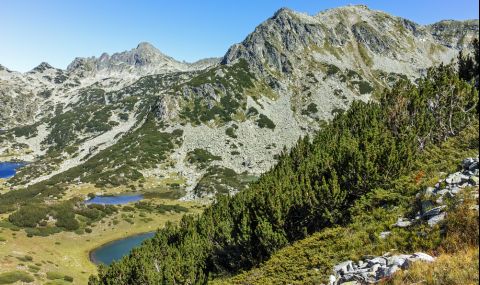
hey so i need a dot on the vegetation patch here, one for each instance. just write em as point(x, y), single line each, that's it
point(201, 157)
point(252, 111)
point(33, 268)
point(332, 69)
point(52, 275)
point(311, 110)
point(265, 122)
point(220, 180)
point(15, 276)
point(26, 131)
point(230, 131)
point(364, 55)
point(363, 86)
point(160, 208)
point(68, 215)
point(229, 83)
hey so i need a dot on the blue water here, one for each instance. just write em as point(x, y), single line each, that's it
point(114, 200)
point(8, 169)
point(115, 250)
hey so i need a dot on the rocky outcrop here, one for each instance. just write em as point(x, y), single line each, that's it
point(42, 67)
point(373, 269)
point(449, 31)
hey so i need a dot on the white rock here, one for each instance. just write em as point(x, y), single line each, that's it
point(343, 267)
point(454, 178)
point(433, 212)
point(403, 223)
point(420, 256)
point(378, 260)
point(384, 235)
point(392, 270)
point(332, 279)
point(399, 260)
point(436, 219)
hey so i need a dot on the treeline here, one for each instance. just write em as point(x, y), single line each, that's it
point(311, 187)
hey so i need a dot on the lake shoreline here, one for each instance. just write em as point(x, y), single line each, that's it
point(8, 169)
point(90, 252)
point(121, 199)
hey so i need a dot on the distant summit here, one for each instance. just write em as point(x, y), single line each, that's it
point(144, 59)
point(42, 67)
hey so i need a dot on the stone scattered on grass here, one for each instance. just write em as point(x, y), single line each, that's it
point(373, 269)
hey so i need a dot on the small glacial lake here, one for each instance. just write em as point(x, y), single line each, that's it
point(114, 200)
point(8, 169)
point(115, 250)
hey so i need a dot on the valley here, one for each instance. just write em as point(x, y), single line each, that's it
point(68, 253)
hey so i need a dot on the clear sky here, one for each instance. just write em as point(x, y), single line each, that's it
point(57, 31)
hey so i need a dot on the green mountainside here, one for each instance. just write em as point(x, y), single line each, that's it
point(360, 155)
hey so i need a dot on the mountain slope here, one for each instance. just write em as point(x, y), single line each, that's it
point(311, 260)
point(361, 152)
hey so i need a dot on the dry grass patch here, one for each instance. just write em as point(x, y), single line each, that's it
point(458, 268)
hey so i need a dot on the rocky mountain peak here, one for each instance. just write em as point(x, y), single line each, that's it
point(375, 38)
point(283, 12)
point(144, 54)
point(447, 32)
point(42, 67)
point(144, 59)
point(81, 63)
point(3, 68)
point(146, 46)
point(105, 56)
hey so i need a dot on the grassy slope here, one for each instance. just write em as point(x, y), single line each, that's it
point(458, 260)
point(70, 256)
point(310, 260)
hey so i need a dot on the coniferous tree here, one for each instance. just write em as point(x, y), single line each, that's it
point(466, 67)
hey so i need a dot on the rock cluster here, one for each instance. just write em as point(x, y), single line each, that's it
point(372, 269)
point(432, 206)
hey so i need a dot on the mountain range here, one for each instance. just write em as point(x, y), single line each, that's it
point(141, 118)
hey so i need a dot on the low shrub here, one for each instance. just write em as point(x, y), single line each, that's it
point(264, 122)
point(15, 276)
point(25, 258)
point(52, 275)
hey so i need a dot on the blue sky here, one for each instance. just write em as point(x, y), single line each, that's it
point(56, 31)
